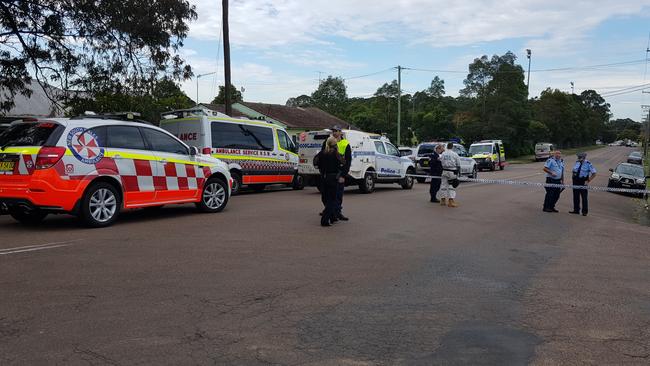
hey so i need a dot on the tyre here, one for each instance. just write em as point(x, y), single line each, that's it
point(298, 182)
point(474, 173)
point(407, 182)
point(31, 217)
point(100, 205)
point(214, 196)
point(236, 183)
point(367, 185)
point(258, 187)
point(493, 167)
point(421, 180)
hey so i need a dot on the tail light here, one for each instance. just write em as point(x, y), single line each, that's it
point(206, 151)
point(48, 156)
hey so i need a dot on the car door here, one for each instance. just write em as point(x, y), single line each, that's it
point(177, 176)
point(286, 152)
point(134, 163)
point(394, 159)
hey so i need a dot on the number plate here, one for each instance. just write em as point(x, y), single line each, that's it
point(7, 166)
point(425, 162)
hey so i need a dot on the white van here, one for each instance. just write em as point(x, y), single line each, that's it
point(374, 160)
point(543, 150)
point(258, 153)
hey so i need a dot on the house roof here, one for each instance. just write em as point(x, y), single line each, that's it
point(309, 118)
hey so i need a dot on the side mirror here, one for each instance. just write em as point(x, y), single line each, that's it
point(194, 151)
point(611, 170)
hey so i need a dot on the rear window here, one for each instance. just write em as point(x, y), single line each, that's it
point(237, 136)
point(28, 134)
point(426, 149)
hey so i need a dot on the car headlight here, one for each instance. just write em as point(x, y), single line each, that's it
point(615, 176)
point(640, 181)
point(489, 158)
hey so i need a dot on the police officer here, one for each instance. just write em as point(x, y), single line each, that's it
point(583, 173)
point(345, 151)
point(554, 169)
point(450, 167)
point(436, 170)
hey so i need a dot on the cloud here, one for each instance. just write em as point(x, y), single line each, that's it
point(265, 24)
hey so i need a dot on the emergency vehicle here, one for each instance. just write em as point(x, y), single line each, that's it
point(374, 160)
point(258, 153)
point(95, 166)
point(543, 150)
point(489, 154)
point(468, 166)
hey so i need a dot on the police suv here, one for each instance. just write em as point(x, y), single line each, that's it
point(374, 160)
point(95, 166)
point(258, 153)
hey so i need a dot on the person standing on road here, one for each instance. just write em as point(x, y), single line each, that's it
point(583, 173)
point(450, 167)
point(344, 149)
point(554, 169)
point(436, 171)
point(331, 169)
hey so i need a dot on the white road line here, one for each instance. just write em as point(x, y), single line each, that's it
point(30, 248)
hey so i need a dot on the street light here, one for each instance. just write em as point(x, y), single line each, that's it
point(572, 85)
point(197, 84)
point(528, 55)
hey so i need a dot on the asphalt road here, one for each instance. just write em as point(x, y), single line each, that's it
point(493, 282)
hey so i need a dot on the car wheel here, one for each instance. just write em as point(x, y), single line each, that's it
point(236, 183)
point(367, 185)
point(100, 205)
point(493, 167)
point(474, 173)
point(214, 196)
point(407, 182)
point(31, 217)
point(298, 182)
point(421, 180)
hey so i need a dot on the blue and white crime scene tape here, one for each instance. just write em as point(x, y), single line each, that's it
point(539, 184)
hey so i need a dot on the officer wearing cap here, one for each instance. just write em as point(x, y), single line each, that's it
point(346, 152)
point(554, 169)
point(583, 173)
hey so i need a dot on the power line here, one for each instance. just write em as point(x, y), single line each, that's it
point(626, 90)
point(371, 74)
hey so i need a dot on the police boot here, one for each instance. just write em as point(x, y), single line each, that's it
point(452, 203)
point(443, 202)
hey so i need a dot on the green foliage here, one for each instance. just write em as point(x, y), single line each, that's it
point(331, 96)
point(235, 95)
point(165, 96)
point(300, 101)
point(91, 47)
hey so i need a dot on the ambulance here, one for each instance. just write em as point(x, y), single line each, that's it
point(374, 160)
point(96, 166)
point(488, 154)
point(258, 153)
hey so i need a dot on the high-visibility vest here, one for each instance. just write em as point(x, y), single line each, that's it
point(342, 145)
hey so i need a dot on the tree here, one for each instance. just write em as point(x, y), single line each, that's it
point(235, 95)
point(388, 90)
point(118, 46)
point(300, 101)
point(331, 96)
point(437, 88)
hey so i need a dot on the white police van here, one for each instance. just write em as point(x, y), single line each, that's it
point(258, 153)
point(374, 160)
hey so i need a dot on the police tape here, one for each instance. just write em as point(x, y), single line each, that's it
point(534, 184)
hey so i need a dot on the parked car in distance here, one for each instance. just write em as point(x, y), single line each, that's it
point(635, 157)
point(408, 152)
point(627, 175)
point(468, 166)
point(543, 150)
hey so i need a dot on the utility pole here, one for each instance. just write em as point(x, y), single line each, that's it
point(226, 57)
point(399, 103)
point(197, 84)
point(572, 85)
point(528, 54)
point(646, 138)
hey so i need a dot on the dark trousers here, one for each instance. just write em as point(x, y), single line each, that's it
point(578, 194)
point(340, 188)
point(328, 195)
point(434, 187)
point(552, 194)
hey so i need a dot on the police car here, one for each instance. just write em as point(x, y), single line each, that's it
point(374, 160)
point(95, 166)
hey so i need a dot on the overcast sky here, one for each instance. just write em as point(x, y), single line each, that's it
point(280, 48)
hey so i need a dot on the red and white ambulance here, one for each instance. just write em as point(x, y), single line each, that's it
point(95, 166)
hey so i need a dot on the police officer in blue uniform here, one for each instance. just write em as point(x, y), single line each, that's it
point(583, 173)
point(554, 169)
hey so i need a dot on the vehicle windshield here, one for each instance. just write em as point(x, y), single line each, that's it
point(635, 154)
point(27, 134)
point(480, 149)
point(635, 171)
point(405, 152)
point(426, 149)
